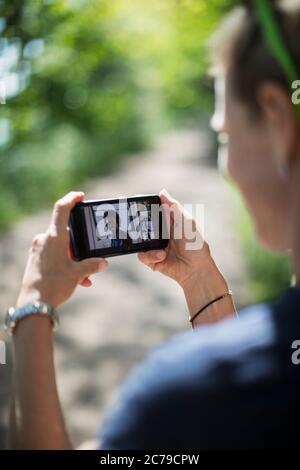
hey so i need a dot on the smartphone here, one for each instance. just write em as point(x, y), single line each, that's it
point(113, 227)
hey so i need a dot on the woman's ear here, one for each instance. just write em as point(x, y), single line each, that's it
point(279, 114)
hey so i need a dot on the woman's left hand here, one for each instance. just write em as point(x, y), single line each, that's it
point(51, 275)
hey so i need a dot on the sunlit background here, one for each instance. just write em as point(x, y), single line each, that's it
point(113, 96)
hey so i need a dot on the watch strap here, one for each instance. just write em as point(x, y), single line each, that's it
point(14, 315)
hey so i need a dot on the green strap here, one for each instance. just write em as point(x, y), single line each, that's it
point(275, 41)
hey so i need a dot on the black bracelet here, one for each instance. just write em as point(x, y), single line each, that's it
point(209, 304)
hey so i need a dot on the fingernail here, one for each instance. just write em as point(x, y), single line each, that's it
point(160, 255)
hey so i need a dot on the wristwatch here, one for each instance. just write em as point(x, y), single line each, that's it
point(13, 315)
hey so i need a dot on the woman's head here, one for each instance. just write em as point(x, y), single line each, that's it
point(112, 220)
point(260, 120)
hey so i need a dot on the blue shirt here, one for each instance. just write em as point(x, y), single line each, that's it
point(228, 385)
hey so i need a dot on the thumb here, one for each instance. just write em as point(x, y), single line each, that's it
point(152, 257)
point(166, 198)
point(171, 204)
point(91, 266)
point(174, 211)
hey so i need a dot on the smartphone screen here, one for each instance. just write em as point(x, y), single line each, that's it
point(111, 227)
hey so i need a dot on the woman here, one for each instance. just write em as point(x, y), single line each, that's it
point(228, 385)
point(113, 236)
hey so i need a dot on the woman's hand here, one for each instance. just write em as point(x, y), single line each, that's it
point(193, 269)
point(177, 261)
point(51, 275)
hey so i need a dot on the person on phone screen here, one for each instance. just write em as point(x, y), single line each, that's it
point(112, 235)
point(228, 382)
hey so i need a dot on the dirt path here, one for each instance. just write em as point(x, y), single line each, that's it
point(107, 329)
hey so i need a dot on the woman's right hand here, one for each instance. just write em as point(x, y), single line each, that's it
point(193, 269)
point(177, 261)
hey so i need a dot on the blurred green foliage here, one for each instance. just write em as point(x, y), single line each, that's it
point(88, 81)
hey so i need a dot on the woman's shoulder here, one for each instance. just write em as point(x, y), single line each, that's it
point(198, 353)
point(254, 330)
point(204, 363)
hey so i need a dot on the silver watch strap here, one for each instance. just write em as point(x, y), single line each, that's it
point(13, 315)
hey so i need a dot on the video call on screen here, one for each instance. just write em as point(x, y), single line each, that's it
point(119, 225)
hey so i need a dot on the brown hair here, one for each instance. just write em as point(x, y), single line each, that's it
point(239, 48)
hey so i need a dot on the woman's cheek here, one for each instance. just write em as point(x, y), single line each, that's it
point(233, 165)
